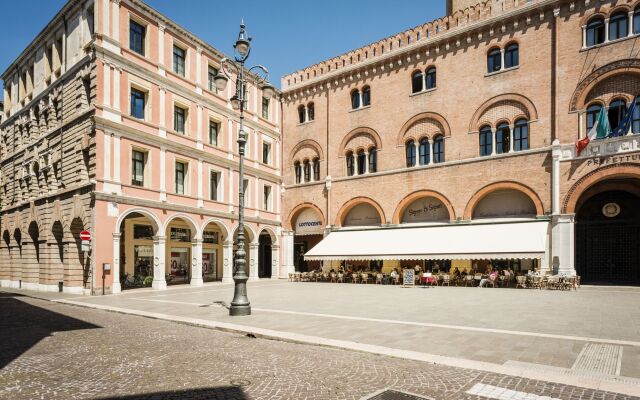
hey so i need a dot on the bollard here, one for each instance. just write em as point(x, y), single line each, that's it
point(60, 287)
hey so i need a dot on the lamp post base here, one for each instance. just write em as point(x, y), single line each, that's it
point(239, 310)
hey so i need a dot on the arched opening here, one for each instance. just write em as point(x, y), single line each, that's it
point(430, 78)
point(512, 56)
point(595, 31)
point(366, 96)
point(308, 228)
point(618, 25)
point(213, 237)
point(425, 209)
point(417, 82)
point(180, 233)
point(505, 203)
point(503, 135)
point(33, 269)
point(137, 252)
point(355, 99)
point(486, 141)
point(608, 232)
point(79, 265)
point(56, 268)
point(363, 214)
point(494, 60)
point(410, 150)
point(265, 251)
point(424, 151)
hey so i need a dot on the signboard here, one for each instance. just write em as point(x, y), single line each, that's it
point(426, 209)
point(180, 235)
point(408, 277)
point(142, 232)
point(308, 223)
point(85, 236)
point(363, 214)
point(85, 246)
point(210, 237)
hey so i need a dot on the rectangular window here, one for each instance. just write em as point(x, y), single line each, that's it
point(137, 103)
point(267, 198)
point(211, 81)
point(143, 232)
point(137, 35)
point(181, 172)
point(137, 168)
point(214, 129)
point(179, 119)
point(265, 108)
point(178, 60)
point(266, 153)
point(213, 185)
point(245, 191)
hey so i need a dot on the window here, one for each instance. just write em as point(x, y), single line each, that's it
point(301, 114)
point(635, 121)
point(636, 21)
point(90, 21)
point(502, 138)
point(211, 75)
point(424, 150)
point(316, 169)
point(265, 108)
point(373, 160)
point(214, 129)
point(266, 153)
point(355, 99)
point(617, 109)
point(595, 32)
point(178, 60)
point(137, 168)
point(618, 27)
point(350, 169)
point(410, 149)
point(307, 171)
point(592, 114)
point(494, 61)
point(521, 135)
point(438, 149)
point(366, 96)
point(137, 103)
point(431, 78)
point(511, 56)
point(179, 119)
point(213, 185)
point(266, 198)
point(311, 112)
point(362, 162)
point(416, 82)
point(298, 171)
point(137, 35)
point(181, 171)
point(486, 141)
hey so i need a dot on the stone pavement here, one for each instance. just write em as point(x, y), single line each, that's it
point(50, 350)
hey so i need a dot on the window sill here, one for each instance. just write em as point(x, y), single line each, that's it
point(360, 108)
point(305, 122)
point(503, 70)
point(422, 92)
point(596, 46)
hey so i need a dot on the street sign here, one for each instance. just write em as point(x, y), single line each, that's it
point(85, 236)
point(85, 245)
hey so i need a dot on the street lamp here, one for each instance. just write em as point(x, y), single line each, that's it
point(240, 304)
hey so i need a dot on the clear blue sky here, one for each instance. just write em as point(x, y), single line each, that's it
point(287, 35)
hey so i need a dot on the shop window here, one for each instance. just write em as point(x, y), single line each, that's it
point(138, 100)
point(362, 162)
point(425, 151)
point(373, 160)
point(298, 171)
point(350, 166)
point(138, 160)
point(494, 60)
point(617, 109)
point(179, 57)
point(137, 34)
point(431, 78)
point(316, 169)
point(618, 25)
point(182, 235)
point(410, 150)
point(521, 135)
point(214, 129)
point(486, 141)
point(512, 56)
point(595, 31)
point(416, 82)
point(502, 138)
point(592, 114)
point(142, 232)
point(438, 149)
point(366, 96)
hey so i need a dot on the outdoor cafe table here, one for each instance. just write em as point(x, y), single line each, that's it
point(428, 279)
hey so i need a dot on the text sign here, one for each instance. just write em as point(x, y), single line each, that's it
point(408, 277)
point(85, 235)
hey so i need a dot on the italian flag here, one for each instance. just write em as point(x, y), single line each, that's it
point(600, 130)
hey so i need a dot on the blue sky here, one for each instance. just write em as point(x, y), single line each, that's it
point(287, 35)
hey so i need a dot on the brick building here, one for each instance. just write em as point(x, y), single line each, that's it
point(464, 128)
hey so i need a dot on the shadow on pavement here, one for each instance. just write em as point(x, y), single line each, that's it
point(224, 392)
point(23, 325)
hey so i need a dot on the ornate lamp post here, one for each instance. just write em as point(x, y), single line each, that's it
point(240, 304)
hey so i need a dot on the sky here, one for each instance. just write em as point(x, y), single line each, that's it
point(287, 35)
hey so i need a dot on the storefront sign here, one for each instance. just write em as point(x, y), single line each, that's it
point(600, 161)
point(180, 235)
point(408, 277)
point(426, 209)
point(362, 215)
point(308, 223)
point(143, 251)
point(210, 237)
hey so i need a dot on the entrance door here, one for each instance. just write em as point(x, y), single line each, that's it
point(264, 258)
point(608, 238)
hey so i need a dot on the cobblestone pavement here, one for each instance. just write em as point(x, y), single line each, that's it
point(56, 351)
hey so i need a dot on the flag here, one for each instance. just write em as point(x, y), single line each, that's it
point(625, 124)
point(600, 130)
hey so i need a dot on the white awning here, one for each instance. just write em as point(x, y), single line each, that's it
point(496, 240)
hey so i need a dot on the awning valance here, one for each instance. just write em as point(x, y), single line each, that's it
point(444, 242)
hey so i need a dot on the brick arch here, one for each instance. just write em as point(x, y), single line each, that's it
point(404, 203)
point(346, 207)
point(492, 187)
point(439, 120)
point(306, 144)
point(611, 70)
point(625, 170)
point(293, 215)
point(361, 131)
point(515, 100)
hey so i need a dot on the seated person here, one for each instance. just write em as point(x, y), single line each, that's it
point(492, 277)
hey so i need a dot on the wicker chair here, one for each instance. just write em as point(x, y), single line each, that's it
point(365, 278)
point(536, 282)
point(446, 280)
point(340, 277)
point(291, 277)
point(355, 278)
point(379, 279)
point(521, 281)
point(468, 280)
point(396, 280)
point(334, 277)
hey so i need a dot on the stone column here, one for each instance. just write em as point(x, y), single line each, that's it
point(227, 262)
point(163, 174)
point(366, 162)
point(555, 177)
point(417, 146)
point(106, 85)
point(200, 184)
point(493, 141)
point(630, 24)
point(313, 171)
point(115, 268)
point(584, 36)
point(161, 67)
point(580, 124)
point(116, 88)
point(275, 261)
point(511, 138)
point(502, 66)
point(288, 266)
point(196, 263)
point(606, 30)
point(115, 23)
point(253, 261)
point(563, 244)
point(198, 69)
point(162, 130)
point(159, 266)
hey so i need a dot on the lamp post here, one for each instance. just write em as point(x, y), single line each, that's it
point(240, 304)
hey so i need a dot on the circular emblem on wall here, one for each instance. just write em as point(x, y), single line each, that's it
point(611, 210)
point(156, 261)
point(194, 262)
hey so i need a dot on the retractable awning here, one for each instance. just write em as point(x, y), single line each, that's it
point(497, 240)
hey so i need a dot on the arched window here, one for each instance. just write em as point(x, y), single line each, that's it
point(301, 114)
point(636, 20)
point(311, 111)
point(355, 99)
point(511, 56)
point(350, 169)
point(494, 60)
point(431, 78)
point(486, 141)
point(366, 96)
point(617, 109)
point(362, 162)
point(316, 169)
point(618, 25)
point(416, 82)
point(635, 125)
point(424, 150)
point(410, 149)
point(592, 114)
point(438, 149)
point(502, 138)
point(521, 135)
point(307, 171)
point(373, 160)
point(595, 31)
point(298, 171)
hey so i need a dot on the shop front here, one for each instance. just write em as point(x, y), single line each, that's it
point(308, 232)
